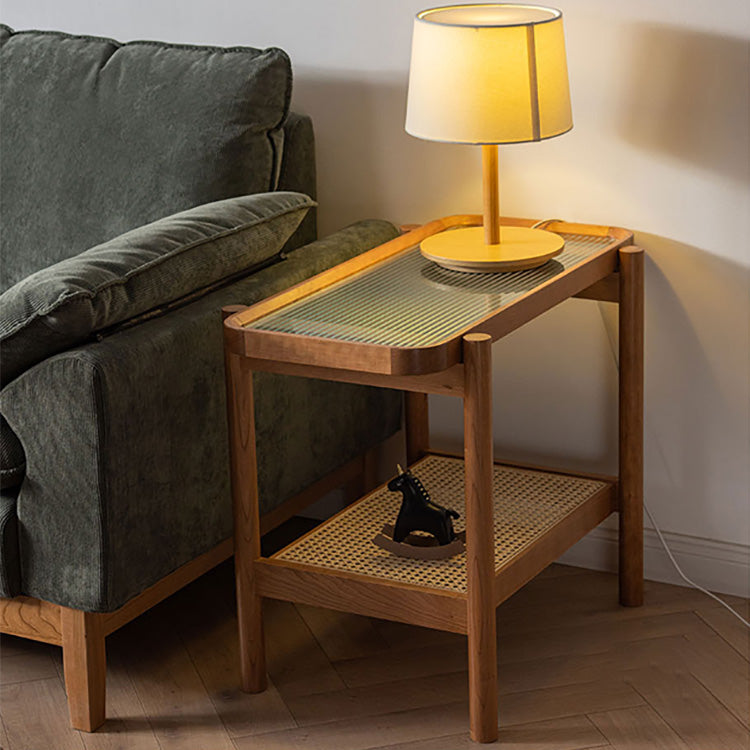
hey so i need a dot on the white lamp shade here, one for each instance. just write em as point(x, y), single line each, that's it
point(488, 73)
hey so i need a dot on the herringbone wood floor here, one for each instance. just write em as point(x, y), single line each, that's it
point(576, 671)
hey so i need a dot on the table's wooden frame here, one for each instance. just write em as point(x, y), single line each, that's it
point(459, 366)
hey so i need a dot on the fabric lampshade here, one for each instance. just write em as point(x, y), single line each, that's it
point(488, 74)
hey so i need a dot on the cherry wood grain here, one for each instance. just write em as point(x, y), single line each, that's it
point(604, 290)
point(448, 382)
point(84, 663)
point(31, 618)
point(631, 426)
point(379, 359)
point(296, 582)
point(244, 473)
point(417, 420)
point(480, 539)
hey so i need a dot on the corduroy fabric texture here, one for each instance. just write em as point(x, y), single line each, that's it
point(297, 174)
point(126, 440)
point(125, 436)
point(99, 137)
point(12, 457)
point(66, 303)
point(10, 575)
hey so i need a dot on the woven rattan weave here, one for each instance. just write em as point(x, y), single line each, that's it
point(526, 504)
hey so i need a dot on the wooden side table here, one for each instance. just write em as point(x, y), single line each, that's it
point(390, 318)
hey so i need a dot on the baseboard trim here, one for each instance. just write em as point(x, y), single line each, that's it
point(722, 567)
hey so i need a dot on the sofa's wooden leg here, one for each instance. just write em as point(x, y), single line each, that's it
point(85, 666)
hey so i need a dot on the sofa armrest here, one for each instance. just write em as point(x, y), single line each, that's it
point(298, 173)
point(126, 449)
point(63, 305)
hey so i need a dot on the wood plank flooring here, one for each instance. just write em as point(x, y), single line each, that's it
point(576, 671)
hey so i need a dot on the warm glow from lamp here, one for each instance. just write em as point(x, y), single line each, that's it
point(489, 74)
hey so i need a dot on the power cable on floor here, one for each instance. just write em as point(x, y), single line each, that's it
point(613, 349)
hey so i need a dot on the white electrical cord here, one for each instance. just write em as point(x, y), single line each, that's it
point(543, 223)
point(684, 577)
point(613, 348)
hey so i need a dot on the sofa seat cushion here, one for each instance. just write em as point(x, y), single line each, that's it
point(12, 457)
point(99, 137)
point(63, 305)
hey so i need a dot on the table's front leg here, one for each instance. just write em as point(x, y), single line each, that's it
point(241, 417)
point(480, 538)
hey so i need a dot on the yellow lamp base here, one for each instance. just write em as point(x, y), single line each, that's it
point(519, 248)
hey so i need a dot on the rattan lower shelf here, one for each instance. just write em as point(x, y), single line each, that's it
point(528, 504)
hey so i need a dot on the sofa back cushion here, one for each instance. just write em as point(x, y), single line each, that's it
point(141, 272)
point(99, 137)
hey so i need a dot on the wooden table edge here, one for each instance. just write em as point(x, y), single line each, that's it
point(276, 346)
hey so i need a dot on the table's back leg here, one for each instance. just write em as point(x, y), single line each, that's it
point(417, 425)
point(631, 426)
point(244, 472)
point(480, 537)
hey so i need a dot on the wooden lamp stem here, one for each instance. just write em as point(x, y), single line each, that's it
point(491, 194)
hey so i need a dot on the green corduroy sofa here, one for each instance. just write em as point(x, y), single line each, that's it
point(144, 186)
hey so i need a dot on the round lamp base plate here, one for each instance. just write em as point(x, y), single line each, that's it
point(519, 248)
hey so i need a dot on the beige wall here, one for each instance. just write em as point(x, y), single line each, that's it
point(660, 145)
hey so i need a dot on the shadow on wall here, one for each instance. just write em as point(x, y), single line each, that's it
point(697, 326)
point(696, 428)
point(554, 393)
point(688, 97)
point(360, 136)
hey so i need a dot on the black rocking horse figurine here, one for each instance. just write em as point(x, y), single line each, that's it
point(419, 513)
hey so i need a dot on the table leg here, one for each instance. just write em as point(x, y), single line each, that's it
point(631, 426)
point(244, 472)
point(480, 552)
point(417, 423)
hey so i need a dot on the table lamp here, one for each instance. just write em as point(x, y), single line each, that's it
point(486, 74)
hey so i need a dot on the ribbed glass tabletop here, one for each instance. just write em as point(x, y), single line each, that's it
point(409, 301)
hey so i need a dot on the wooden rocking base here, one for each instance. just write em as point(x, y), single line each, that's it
point(420, 547)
